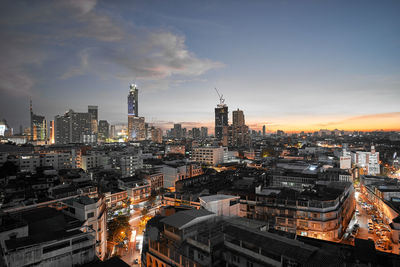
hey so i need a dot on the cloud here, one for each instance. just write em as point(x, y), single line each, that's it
point(157, 55)
point(79, 38)
point(79, 69)
point(16, 57)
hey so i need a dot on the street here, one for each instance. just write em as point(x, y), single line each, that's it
point(370, 226)
point(132, 252)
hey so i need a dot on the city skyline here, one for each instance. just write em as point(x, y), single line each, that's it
point(312, 66)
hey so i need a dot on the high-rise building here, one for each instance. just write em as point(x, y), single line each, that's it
point(133, 99)
point(263, 131)
point(204, 132)
point(196, 133)
point(237, 134)
point(177, 131)
point(73, 127)
point(52, 132)
point(238, 118)
point(103, 130)
point(156, 135)
point(136, 125)
point(136, 128)
point(38, 126)
point(93, 111)
point(113, 132)
point(221, 120)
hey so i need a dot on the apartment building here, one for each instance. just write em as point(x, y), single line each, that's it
point(322, 212)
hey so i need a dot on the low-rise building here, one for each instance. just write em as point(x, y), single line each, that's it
point(138, 189)
point(209, 155)
point(222, 205)
point(92, 211)
point(322, 212)
point(115, 197)
point(46, 237)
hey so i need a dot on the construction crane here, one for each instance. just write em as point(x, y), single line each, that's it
point(221, 97)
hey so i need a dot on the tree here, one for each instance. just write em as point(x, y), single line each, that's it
point(118, 228)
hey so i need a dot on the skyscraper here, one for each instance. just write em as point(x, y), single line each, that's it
point(221, 120)
point(93, 111)
point(136, 125)
point(204, 132)
point(236, 135)
point(38, 126)
point(103, 132)
point(263, 132)
point(73, 127)
point(133, 99)
point(238, 118)
point(178, 131)
point(136, 128)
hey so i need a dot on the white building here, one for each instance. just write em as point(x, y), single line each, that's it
point(222, 205)
point(128, 161)
point(179, 170)
point(369, 161)
point(95, 160)
point(92, 211)
point(345, 160)
point(209, 155)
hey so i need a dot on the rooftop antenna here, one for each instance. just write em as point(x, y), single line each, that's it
point(221, 97)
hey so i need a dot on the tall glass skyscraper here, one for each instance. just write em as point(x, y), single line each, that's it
point(136, 126)
point(133, 101)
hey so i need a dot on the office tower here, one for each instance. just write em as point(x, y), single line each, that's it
point(38, 126)
point(103, 130)
point(133, 99)
point(136, 128)
point(185, 133)
point(263, 131)
point(156, 135)
point(113, 132)
point(73, 127)
point(221, 120)
point(52, 132)
point(196, 133)
point(237, 133)
point(237, 118)
point(204, 132)
point(178, 131)
point(93, 111)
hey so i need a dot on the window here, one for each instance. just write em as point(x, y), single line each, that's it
point(249, 264)
point(90, 215)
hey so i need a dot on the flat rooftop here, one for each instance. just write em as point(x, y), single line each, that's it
point(45, 224)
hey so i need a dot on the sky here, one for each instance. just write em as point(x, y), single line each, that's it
point(291, 65)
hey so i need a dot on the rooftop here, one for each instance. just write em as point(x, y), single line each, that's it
point(212, 198)
point(272, 243)
point(57, 224)
point(180, 219)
